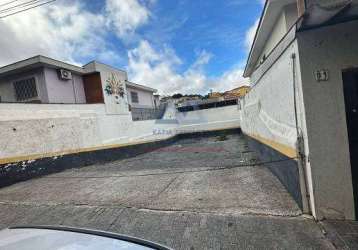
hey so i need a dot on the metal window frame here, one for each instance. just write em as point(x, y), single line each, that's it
point(137, 96)
point(34, 76)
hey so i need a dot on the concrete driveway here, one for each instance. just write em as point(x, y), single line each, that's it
point(195, 194)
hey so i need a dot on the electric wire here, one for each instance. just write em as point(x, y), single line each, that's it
point(26, 9)
point(19, 6)
point(4, 4)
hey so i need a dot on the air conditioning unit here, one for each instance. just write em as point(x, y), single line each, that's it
point(65, 74)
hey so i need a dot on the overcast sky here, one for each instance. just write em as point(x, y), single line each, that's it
point(187, 46)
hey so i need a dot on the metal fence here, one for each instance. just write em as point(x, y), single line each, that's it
point(141, 114)
point(208, 105)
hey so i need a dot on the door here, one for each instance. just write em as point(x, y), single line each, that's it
point(350, 87)
point(93, 88)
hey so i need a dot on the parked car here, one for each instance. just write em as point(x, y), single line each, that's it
point(65, 238)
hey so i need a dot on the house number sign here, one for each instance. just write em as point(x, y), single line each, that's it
point(321, 75)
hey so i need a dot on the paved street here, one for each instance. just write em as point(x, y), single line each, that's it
point(194, 194)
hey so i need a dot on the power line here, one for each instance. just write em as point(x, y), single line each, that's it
point(23, 10)
point(32, 2)
point(20, 7)
point(4, 4)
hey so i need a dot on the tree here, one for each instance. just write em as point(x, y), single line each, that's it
point(177, 96)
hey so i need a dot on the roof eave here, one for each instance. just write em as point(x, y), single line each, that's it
point(269, 15)
point(246, 71)
point(39, 61)
point(141, 87)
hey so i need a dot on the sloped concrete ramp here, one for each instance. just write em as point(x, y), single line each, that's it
point(196, 175)
point(199, 193)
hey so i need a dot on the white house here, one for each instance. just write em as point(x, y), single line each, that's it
point(140, 96)
point(302, 108)
point(44, 80)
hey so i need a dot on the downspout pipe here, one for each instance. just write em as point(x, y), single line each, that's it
point(300, 147)
point(74, 90)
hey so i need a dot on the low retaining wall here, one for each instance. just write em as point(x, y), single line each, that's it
point(35, 131)
point(208, 119)
point(39, 139)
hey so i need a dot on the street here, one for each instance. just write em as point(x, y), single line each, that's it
point(199, 193)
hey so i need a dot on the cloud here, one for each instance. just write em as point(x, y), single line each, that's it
point(126, 16)
point(68, 31)
point(154, 68)
point(158, 68)
point(251, 32)
point(230, 79)
point(65, 31)
point(250, 35)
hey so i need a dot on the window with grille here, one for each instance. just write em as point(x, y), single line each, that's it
point(25, 89)
point(134, 97)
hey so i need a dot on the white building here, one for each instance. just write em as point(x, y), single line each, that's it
point(140, 96)
point(44, 80)
point(302, 108)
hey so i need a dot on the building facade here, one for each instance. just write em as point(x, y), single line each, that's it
point(45, 80)
point(237, 92)
point(140, 96)
point(301, 106)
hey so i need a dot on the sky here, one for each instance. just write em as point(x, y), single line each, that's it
point(175, 46)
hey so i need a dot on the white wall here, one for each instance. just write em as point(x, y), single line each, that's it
point(277, 33)
point(268, 114)
point(7, 91)
point(33, 131)
point(268, 109)
point(209, 119)
point(333, 48)
point(282, 25)
point(291, 15)
point(60, 91)
point(30, 129)
point(145, 98)
point(38, 129)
